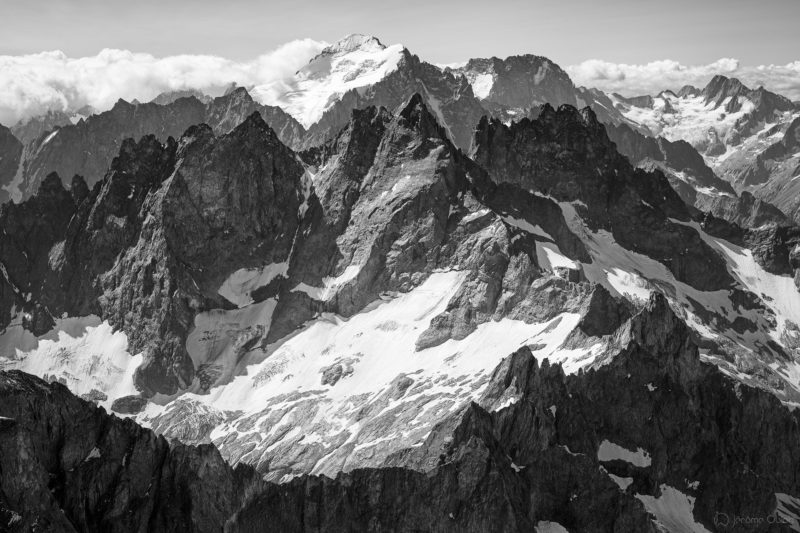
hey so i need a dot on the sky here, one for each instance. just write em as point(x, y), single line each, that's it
point(630, 46)
point(567, 31)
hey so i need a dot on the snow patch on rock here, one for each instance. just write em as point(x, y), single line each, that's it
point(673, 510)
point(608, 451)
point(544, 526)
point(239, 286)
point(481, 84)
point(330, 285)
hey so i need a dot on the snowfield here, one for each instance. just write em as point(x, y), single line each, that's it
point(349, 392)
point(239, 286)
point(85, 354)
point(673, 510)
point(689, 118)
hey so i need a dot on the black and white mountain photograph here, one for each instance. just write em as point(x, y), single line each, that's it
point(458, 266)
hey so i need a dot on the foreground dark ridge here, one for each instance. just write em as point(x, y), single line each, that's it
point(554, 453)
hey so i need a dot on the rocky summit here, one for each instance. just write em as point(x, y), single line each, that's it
point(378, 294)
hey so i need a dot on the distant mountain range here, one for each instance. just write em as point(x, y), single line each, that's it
point(729, 125)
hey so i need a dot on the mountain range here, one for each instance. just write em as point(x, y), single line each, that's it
point(397, 296)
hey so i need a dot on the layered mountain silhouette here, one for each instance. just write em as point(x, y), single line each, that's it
point(413, 299)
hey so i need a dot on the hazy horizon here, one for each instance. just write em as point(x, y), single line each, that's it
point(60, 53)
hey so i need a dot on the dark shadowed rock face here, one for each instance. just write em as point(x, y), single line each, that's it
point(518, 82)
point(745, 210)
point(30, 235)
point(567, 155)
point(66, 465)
point(678, 156)
point(226, 112)
point(10, 154)
point(692, 179)
point(88, 147)
point(152, 243)
point(233, 198)
point(776, 248)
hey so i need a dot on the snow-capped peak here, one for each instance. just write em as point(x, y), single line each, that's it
point(353, 42)
point(355, 62)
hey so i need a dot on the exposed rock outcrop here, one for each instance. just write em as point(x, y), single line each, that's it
point(88, 147)
point(10, 155)
point(567, 155)
point(66, 465)
point(152, 243)
point(448, 96)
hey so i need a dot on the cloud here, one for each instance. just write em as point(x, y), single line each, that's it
point(33, 84)
point(656, 76)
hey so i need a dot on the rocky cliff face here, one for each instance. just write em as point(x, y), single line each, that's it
point(653, 134)
point(67, 466)
point(692, 179)
point(509, 89)
point(10, 155)
point(87, 147)
point(30, 232)
point(449, 97)
point(151, 244)
point(678, 159)
point(566, 154)
point(770, 175)
point(517, 83)
point(332, 310)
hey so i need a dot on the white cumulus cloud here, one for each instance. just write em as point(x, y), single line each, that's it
point(656, 76)
point(33, 84)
